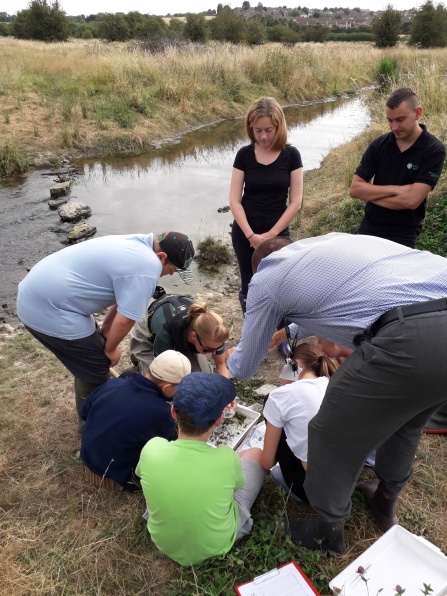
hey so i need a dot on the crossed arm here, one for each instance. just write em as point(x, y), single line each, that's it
point(408, 196)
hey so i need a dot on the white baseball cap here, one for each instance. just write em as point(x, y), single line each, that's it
point(170, 366)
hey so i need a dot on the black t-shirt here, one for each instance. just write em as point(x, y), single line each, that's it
point(266, 188)
point(383, 160)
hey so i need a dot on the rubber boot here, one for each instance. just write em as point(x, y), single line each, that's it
point(318, 534)
point(437, 423)
point(243, 302)
point(381, 501)
point(82, 391)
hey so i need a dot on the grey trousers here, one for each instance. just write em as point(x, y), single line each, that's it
point(141, 349)
point(245, 497)
point(380, 398)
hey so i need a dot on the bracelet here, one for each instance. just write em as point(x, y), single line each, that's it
point(248, 237)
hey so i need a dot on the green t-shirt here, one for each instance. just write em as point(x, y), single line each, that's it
point(189, 488)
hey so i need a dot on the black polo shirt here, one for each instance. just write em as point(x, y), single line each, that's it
point(383, 161)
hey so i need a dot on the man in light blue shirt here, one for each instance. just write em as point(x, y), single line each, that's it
point(385, 301)
point(58, 297)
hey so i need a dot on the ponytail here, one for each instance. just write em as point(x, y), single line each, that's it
point(207, 324)
point(313, 358)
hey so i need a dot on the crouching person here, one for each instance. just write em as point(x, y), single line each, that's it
point(198, 497)
point(123, 414)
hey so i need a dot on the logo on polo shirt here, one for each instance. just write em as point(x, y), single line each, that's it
point(433, 175)
point(411, 166)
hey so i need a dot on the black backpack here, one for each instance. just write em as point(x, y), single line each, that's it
point(176, 321)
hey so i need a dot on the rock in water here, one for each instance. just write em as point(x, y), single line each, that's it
point(74, 211)
point(80, 231)
point(61, 189)
point(55, 203)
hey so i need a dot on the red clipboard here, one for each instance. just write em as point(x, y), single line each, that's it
point(286, 579)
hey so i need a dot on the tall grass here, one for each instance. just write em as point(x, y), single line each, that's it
point(115, 90)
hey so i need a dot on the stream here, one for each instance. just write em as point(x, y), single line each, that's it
point(178, 186)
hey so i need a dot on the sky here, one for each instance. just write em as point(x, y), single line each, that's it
point(76, 7)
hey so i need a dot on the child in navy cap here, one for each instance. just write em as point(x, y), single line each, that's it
point(198, 497)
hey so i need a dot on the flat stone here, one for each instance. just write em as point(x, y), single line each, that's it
point(74, 211)
point(55, 203)
point(80, 231)
point(265, 389)
point(60, 189)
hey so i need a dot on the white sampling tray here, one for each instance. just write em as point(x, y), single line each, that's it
point(252, 416)
point(398, 558)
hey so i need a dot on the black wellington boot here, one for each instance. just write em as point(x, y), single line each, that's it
point(318, 534)
point(381, 501)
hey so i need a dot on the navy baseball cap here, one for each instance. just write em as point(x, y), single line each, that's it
point(180, 251)
point(203, 397)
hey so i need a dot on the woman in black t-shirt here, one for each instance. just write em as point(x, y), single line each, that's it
point(265, 174)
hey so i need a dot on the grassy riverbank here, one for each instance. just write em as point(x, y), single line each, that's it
point(327, 205)
point(86, 97)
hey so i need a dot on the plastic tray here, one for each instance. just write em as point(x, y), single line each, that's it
point(398, 558)
point(247, 413)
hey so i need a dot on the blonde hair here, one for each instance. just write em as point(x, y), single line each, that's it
point(208, 325)
point(314, 359)
point(267, 106)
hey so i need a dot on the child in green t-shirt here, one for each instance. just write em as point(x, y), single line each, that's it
point(198, 497)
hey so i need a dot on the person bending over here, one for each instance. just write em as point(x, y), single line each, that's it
point(287, 412)
point(123, 414)
point(198, 497)
point(177, 322)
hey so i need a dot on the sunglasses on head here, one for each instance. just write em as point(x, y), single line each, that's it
point(207, 350)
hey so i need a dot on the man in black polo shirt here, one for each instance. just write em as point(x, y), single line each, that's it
point(406, 164)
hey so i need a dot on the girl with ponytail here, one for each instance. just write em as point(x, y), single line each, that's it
point(288, 411)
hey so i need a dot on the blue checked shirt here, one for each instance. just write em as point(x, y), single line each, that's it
point(334, 286)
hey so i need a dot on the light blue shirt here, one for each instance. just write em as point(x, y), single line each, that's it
point(61, 292)
point(334, 286)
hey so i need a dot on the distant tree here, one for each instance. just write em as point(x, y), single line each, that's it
point(176, 25)
point(42, 21)
point(316, 14)
point(219, 7)
point(346, 11)
point(113, 27)
point(5, 17)
point(357, 9)
point(259, 7)
point(305, 10)
point(245, 5)
point(386, 28)
point(295, 13)
point(255, 33)
point(405, 27)
point(91, 17)
point(227, 26)
point(196, 28)
point(5, 29)
point(151, 26)
point(429, 26)
point(316, 33)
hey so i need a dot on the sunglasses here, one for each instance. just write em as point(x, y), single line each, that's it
point(208, 350)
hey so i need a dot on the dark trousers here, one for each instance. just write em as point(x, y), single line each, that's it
point(244, 251)
point(292, 469)
point(380, 398)
point(410, 241)
point(84, 358)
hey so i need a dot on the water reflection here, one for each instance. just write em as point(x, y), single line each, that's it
point(179, 185)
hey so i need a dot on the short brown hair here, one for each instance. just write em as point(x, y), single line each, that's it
point(402, 94)
point(185, 425)
point(266, 248)
point(267, 106)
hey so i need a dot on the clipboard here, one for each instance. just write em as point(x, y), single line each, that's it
point(287, 580)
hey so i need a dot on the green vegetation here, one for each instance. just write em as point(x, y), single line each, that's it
point(361, 36)
point(212, 252)
point(12, 160)
point(42, 21)
point(386, 70)
point(429, 26)
point(386, 28)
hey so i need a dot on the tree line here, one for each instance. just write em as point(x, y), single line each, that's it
point(46, 21)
